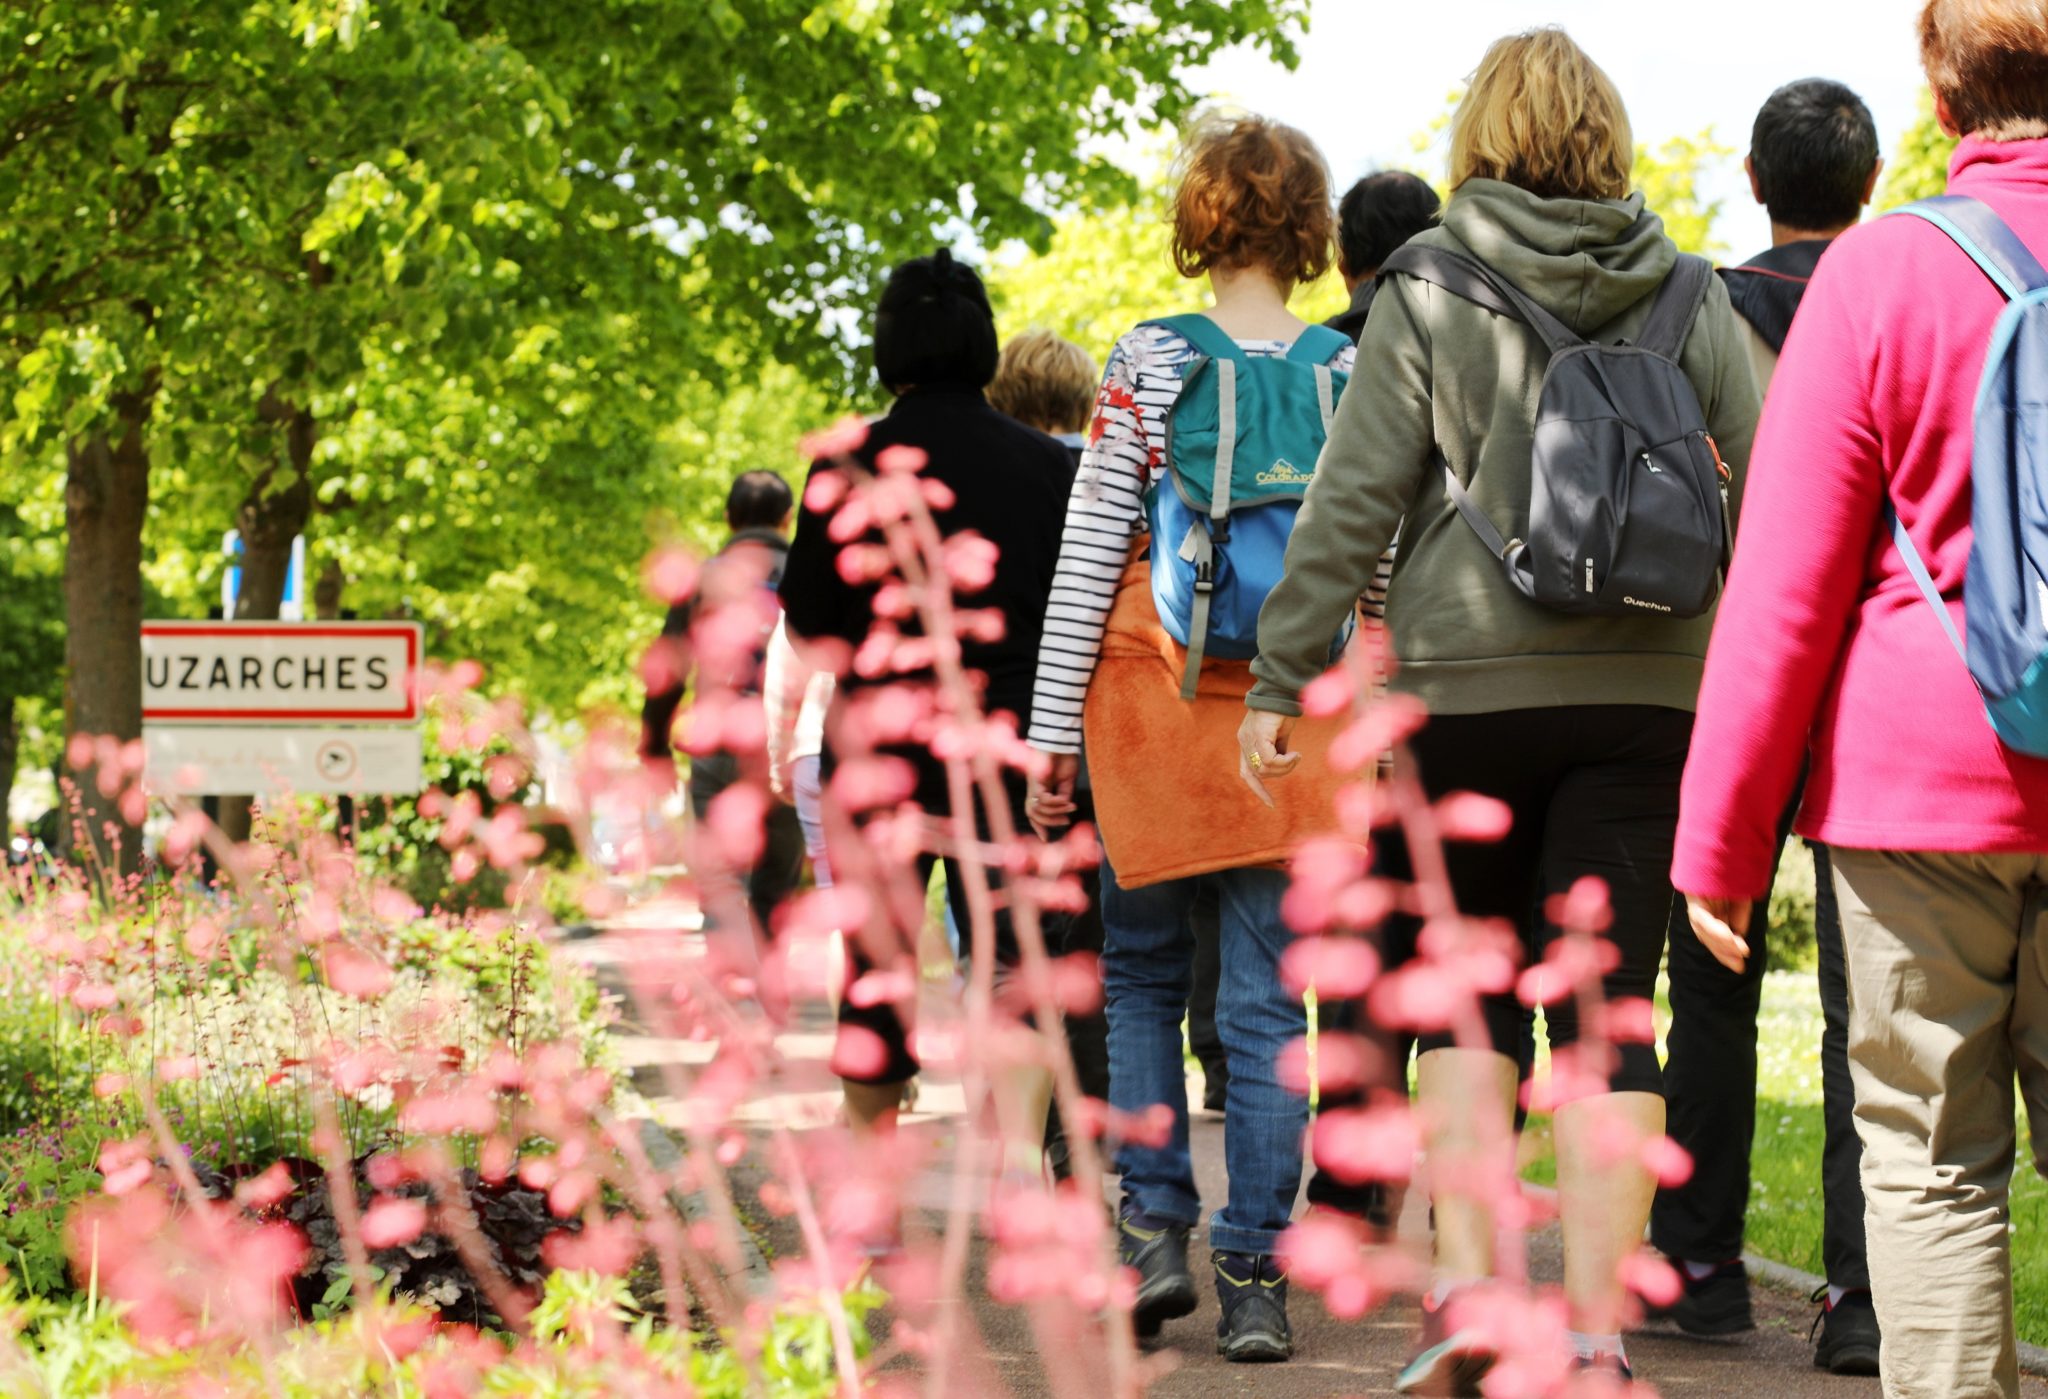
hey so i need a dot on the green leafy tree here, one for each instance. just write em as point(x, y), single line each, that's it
point(1668, 177)
point(1918, 168)
point(228, 217)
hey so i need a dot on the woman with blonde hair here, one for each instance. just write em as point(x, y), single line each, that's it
point(1577, 721)
point(1253, 215)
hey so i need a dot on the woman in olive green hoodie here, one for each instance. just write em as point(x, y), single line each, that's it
point(1580, 724)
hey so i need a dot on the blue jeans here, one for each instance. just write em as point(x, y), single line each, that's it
point(1148, 963)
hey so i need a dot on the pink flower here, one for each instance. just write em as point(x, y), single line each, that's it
point(608, 1247)
point(1669, 1162)
point(1361, 1144)
point(971, 561)
point(1583, 908)
point(736, 823)
point(179, 1069)
point(1329, 693)
point(1650, 1278)
point(125, 1165)
point(391, 1221)
point(670, 574)
point(266, 1191)
point(1341, 967)
point(354, 972)
point(901, 458)
point(824, 492)
point(1468, 816)
point(840, 439)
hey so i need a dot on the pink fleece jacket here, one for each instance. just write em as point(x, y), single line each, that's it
point(1823, 643)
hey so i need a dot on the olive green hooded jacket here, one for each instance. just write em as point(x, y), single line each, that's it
point(1440, 375)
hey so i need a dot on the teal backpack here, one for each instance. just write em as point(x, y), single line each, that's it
point(1242, 442)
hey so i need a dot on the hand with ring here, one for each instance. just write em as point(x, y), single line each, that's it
point(1262, 751)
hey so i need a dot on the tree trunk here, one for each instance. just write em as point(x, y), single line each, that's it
point(327, 592)
point(10, 753)
point(106, 499)
point(268, 521)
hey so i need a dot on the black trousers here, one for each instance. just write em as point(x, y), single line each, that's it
point(898, 1063)
point(780, 869)
point(1710, 1089)
point(1593, 790)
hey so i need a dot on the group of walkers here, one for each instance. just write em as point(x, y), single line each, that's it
point(1532, 450)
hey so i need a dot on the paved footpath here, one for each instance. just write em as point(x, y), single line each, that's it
point(1334, 1359)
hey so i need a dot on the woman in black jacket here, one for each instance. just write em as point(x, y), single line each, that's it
point(935, 351)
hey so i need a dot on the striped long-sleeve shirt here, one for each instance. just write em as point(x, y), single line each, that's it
point(1125, 456)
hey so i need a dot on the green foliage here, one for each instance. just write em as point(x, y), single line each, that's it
point(1668, 176)
point(510, 265)
point(1789, 940)
point(1918, 168)
point(589, 1342)
point(1106, 269)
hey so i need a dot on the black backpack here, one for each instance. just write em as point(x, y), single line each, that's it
point(1628, 495)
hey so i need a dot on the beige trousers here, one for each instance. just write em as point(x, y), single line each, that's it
point(1948, 1001)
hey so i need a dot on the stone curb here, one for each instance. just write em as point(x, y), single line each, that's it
point(2033, 1359)
point(1770, 1272)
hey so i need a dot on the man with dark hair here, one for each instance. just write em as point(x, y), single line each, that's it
point(1813, 164)
point(1376, 216)
point(743, 573)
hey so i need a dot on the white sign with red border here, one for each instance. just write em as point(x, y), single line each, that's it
point(280, 672)
point(208, 760)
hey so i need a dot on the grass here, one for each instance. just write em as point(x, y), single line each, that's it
point(1785, 1190)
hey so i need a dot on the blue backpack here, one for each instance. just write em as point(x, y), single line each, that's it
point(2005, 591)
point(1242, 441)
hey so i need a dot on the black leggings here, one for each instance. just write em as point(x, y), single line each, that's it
point(1594, 791)
point(898, 1062)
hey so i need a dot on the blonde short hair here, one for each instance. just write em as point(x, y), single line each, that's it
point(1989, 61)
point(1044, 382)
point(1540, 114)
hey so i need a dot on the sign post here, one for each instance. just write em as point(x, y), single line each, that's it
point(267, 707)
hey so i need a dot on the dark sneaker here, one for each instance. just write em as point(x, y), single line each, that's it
point(1848, 1334)
point(1158, 1251)
point(1449, 1361)
point(1715, 1305)
point(1253, 1291)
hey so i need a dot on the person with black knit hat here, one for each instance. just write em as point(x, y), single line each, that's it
point(935, 353)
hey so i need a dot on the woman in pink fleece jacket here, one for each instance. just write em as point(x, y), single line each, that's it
point(1825, 647)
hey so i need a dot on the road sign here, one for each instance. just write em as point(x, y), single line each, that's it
point(213, 760)
point(286, 672)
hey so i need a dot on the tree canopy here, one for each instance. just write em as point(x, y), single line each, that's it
point(468, 291)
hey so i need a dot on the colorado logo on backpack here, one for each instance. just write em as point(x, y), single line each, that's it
point(1223, 509)
point(2005, 590)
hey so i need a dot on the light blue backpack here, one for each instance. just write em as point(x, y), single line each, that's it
point(1241, 447)
point(2005, 591)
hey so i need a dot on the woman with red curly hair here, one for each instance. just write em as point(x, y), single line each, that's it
point(1253, 214)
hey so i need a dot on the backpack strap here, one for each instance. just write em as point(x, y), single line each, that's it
point(1677, 306)
point(1318, 345)
point(1917, 566)
point(1990, 242)
point(1204, 334)
point(1473, 281)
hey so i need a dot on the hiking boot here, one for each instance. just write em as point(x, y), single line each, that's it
point(1447, 1362)
point(1715, 1305)
point(1848, 1334)
point(1253, 1291)
point(1158, 1251)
